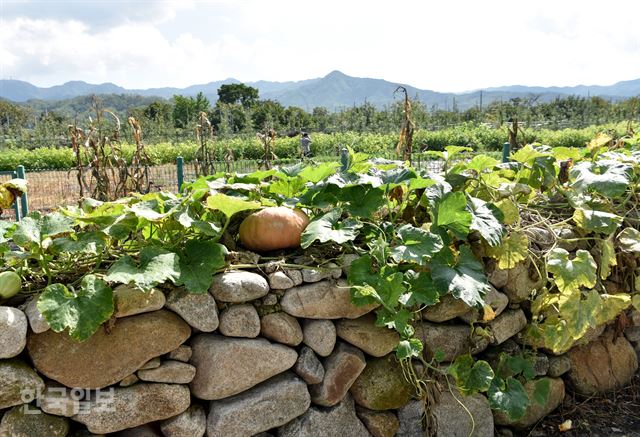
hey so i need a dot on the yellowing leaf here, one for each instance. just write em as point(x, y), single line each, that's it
point(611, 305)
point(608, 258)
point(514, 248)
point(600, 140)
point(510, 211)
point(571, 274)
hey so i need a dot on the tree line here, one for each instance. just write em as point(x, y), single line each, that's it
point(240, 111)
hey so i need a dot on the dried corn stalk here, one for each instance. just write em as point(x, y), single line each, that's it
point(268, 139)
point(103, 173)
point(405, 142)
point(205, 156)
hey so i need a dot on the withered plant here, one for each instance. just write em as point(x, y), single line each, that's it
point(405, 142)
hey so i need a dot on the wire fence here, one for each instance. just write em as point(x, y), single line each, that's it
point(52, 189)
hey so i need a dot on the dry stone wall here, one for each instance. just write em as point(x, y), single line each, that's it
point(279, 352)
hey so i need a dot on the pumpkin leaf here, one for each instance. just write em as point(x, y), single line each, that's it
point(230, 205)
point(609, 179)
point(418, 245)
point(156, 266)
point(410, 348)
point(514, 248)
point(629, 240)
point(509, 396)
point(596, 221)
point(471, 376)
point(486, 220)
point(570, 275)
point(328, 227)
point(81, 312)
point(454, 215)
point(463, 277)
point(198, 263)
point(608, 257)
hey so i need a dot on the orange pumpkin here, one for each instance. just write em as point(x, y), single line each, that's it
point(273, 228)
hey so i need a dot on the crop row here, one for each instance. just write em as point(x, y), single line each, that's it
point(481, 138)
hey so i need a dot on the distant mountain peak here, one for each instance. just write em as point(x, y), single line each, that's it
point(334, 91)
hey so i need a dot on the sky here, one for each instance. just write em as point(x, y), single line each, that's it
point(445, 45)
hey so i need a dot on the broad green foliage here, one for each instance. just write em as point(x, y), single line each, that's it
point(462, 276)
point(156, 266)
point(81, 311)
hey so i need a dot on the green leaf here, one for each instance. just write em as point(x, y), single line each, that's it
point(611, 179)
point(82, 312)
point(541, 391)
point(89, 242)
point(486, 220)
point(570, 275)
point(527, 155)
point(508, 396)
point(518, 364)
point(32, 230)
point(543, 172)
point(629, 240)
point(328, 228)
point(514, 248)
point(198, 263)
point(419, 245)
point(156, 266)
point(290, 187)
point(316, 173)
point(464, 278)
point(230, 205)
point(471, 376)
point(596, 221)
point(362, 200)
point(411, 348)
point(481, 163)
point(421, 288)
point(510, 211)
point(454, 215)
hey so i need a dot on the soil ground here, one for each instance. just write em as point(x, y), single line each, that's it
point(615, 414)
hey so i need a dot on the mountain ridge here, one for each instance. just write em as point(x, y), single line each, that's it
point(334, 91)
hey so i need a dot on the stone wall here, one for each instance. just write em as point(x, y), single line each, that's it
point(278, 352)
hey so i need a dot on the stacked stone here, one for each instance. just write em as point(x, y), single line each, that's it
point(281, 352)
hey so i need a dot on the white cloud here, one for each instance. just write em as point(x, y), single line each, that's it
point(452, 46)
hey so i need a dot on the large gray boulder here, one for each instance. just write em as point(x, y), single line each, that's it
point(268, 405)
point(322, 300)
point(13, 331)
point(341, 369)
point(236, 287)
point(19, 384)
point(28, 421)
point(339, 420)
point(107, 357)
point(453, 415)
point(198, 310)
point(129, 407)
point(190, 423)
point(228, 366)
point(362, 332)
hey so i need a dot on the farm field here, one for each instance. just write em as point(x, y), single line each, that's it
point(415, 242)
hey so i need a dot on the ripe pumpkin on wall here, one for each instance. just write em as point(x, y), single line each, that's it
point(273, 228)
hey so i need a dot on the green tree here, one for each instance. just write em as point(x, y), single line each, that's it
point(238, 93)
point(186, 109)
